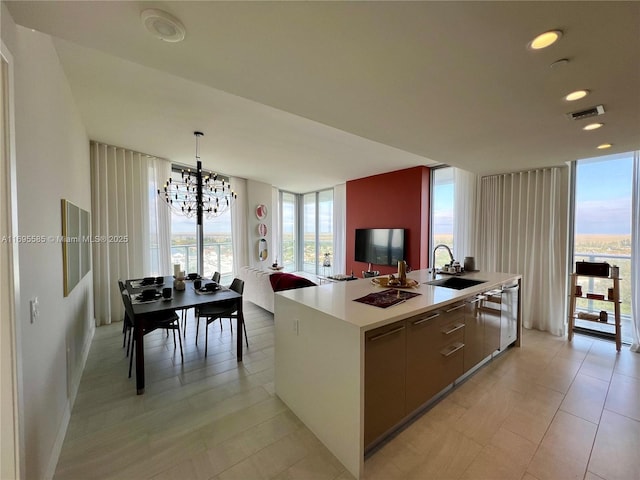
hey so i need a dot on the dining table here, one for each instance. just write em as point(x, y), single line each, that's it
point(180, 299)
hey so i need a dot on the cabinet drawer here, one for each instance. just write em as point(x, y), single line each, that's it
point(451, 332)
point(450, 364)
point(453, 312)
point(423, 342)
point(384, 401)
point(449, 358)
point(473, 334)
point(444, 326)
point(451, 325)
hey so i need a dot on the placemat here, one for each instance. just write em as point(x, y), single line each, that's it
point(386, 298)
point(139, 299)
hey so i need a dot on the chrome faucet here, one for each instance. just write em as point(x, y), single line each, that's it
point(433, 264)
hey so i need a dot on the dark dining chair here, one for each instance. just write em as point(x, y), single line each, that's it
point(218, 311)
point(215, 278)
point(167, 320)
point(127, 322)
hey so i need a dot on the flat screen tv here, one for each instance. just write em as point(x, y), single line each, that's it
point(380, 246)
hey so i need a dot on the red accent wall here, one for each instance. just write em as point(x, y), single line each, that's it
point(397, 199)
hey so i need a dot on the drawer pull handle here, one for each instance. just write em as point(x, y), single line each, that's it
point(456, 327)
point(386, 334)
point(453, 350)
point(455, 308)
point(422, 320)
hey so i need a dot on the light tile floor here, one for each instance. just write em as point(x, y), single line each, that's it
point(551, 410)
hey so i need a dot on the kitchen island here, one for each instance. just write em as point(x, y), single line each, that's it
point(354, 372)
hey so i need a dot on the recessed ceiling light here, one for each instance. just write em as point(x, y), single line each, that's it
point(604, 146)
point(162, 25)
point(545, 39)
point(577, 95)
point(592, 126)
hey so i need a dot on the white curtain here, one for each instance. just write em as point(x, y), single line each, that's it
point(465, 186)
point(339, 260)
point(635, 252)
point(132, 223)
point(522, 229)
point(239, 225)
point(159, 219)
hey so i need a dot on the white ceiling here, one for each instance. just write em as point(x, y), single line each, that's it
point(305, 95)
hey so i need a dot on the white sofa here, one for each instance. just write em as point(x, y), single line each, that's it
point(258, 289)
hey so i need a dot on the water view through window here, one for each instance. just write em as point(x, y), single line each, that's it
point(217, 246)
point(442, 198)
point(318, 230)
point(218, 252)
point(602, 231)
point(288, 252)
point(307, 231)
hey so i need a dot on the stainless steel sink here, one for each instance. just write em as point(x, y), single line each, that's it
point(456, 283)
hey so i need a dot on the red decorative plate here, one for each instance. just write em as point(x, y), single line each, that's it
point(261, 212)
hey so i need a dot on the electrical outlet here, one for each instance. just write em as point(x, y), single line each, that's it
point(34, 309)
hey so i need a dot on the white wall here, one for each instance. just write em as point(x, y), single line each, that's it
point(9, 439)
point(259, 193)
point(52, 155)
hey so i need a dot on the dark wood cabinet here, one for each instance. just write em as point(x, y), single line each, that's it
point(473, 333)
point(384, 399)
point(482, 328)
point(409, 362)
point(449, 357)
point(490, 308)
point(422, 374)
point(435, 344)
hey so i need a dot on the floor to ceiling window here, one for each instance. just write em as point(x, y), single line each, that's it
point(325, 232)
point(309, 224)
point(307, 231)
point(442, 198)
point(217, 246)
point(289, 240)
point(602, 233)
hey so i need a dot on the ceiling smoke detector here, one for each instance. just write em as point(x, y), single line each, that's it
point(589, 112)
point(162, 25)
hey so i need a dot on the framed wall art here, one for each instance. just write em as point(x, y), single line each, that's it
point(76, 245)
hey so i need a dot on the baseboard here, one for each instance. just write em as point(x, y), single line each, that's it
point(64, 424)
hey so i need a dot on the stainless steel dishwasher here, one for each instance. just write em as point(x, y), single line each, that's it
point(509, 315)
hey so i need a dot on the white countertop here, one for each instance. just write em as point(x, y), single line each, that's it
point(337, 298)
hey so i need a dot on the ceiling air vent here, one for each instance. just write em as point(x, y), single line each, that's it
point(589, 112)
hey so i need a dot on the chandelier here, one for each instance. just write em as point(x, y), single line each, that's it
point(196, 194)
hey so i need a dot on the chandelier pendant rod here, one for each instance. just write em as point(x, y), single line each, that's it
point(199, 208)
